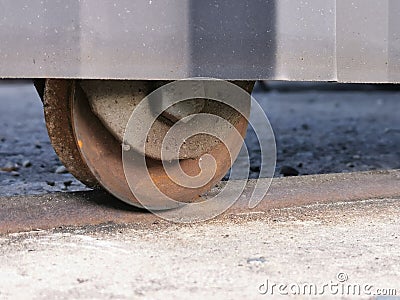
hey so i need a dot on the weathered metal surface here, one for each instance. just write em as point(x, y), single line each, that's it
point(184, 109)
point(113, 102)
point(332, 40)
point(28, 213)
point(102, 153)
point(368, 40)
point(57, 112)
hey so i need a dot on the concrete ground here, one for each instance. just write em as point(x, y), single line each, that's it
point(230, 258)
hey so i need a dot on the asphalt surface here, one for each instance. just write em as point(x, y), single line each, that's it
point(24, 139)
point(318, 129)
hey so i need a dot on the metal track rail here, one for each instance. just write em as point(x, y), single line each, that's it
point(27, 213)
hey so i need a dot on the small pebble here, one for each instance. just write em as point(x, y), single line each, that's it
point(15, 173)
point(68, 183)
point(10, 167)
point(256, 260)
point(27, 164)
point(392, 130)
point(79, 280)
point(61, 170)
point(289, 171)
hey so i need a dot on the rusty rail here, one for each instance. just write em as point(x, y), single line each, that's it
point(26, 213)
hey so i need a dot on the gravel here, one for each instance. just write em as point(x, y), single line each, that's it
point(24, 144)
point(329, 128)
point(61, 170)
point(27, 164)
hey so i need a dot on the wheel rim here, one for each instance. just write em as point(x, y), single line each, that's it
point(101, 154)
point(57, 113)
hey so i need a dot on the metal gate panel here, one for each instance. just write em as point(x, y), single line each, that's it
point(303, 40)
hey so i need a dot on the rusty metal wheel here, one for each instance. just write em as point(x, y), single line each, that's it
point(88, 141)
point(56, 96)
